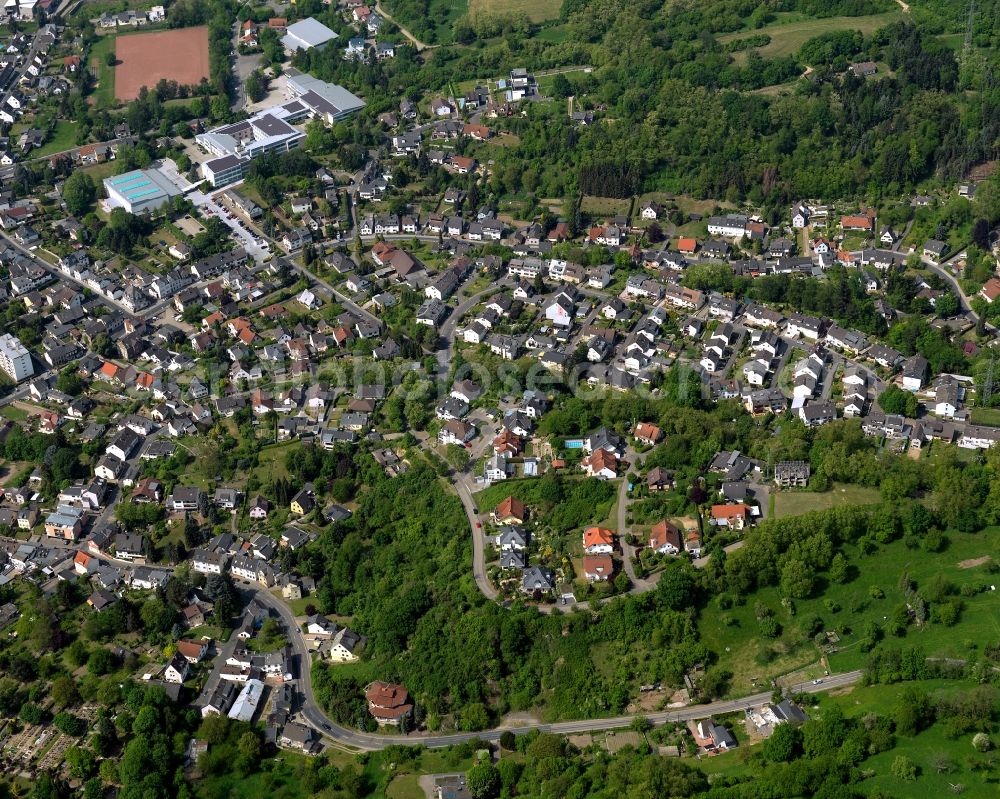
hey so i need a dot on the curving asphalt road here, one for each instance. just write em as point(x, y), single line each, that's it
point(346, 737)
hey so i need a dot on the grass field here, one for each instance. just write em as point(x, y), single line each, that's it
point(535, 10)
point(604, 206)
point(788, 37)
point(104, 93)
point(13, 413)
point(405, 786)
point(795, 503)
point(63, 138)
point(271, 461)
point(849, 607)
point(920, 748)
point(557, 34)
point(988, 416)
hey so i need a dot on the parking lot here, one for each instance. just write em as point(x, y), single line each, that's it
point(258, 249)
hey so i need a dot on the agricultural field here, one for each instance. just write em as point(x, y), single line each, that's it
point(788, 37)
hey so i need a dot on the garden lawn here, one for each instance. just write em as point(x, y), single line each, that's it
point(98, 172)
point(282, 781)
point(584, 501)
point(405, 786)
point(63, 138)
point(271, 461)
point(987, 416)
point(605, 206)
point(795, 503)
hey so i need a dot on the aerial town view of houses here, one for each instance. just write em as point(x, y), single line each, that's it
point(476, 399)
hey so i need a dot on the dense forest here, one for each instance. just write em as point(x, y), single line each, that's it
point(682, 120)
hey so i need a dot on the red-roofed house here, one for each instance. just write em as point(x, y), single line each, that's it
point(463, 165)
point(735, 517)
point(71, 63)
point(82, 563)
point(387, 702)
point(248, 33)
point(602, 464)
point(382, 252)
point(192, 651)
point(598, 541)
point(477, 132)
point(48, 422)
point(109, 371)
point(507, 444)
point(665, 538)
point(990, 290)
point(648, 434)
point(559, 233)
point(687, 245)
point(857, 222)
point(510, 511)
point(598, 568)
point(216, 318)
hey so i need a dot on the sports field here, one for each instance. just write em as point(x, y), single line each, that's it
point(145, 58)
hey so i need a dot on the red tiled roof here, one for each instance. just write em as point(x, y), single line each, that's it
point(598, 564)
point(388, 700)
point(730, 511)
point(513, 508)
point(596, 536)
point(664, 533)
